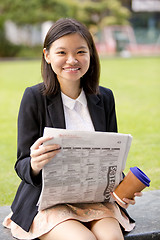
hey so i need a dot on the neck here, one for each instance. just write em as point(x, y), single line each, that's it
point(71, 90)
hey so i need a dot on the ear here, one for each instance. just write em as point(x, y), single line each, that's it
point(46, 55)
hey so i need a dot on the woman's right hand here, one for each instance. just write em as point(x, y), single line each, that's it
point(41, 154)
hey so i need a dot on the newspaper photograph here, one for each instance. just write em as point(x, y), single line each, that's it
point(88, 167)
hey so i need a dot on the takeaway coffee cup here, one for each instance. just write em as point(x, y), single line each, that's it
point(134, 181)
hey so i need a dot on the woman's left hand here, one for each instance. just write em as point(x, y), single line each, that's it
point(127, 201)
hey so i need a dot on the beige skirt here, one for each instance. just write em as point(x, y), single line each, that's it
point(46, 220)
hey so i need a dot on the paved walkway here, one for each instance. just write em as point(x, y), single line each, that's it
point(146, 212)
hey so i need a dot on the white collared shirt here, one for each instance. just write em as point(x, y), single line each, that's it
point(76, 113)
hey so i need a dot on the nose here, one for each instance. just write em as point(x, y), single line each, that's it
point(71, 60)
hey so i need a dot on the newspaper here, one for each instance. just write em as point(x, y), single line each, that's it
point(88, 167)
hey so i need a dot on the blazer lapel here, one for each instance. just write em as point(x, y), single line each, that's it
point(97, 112)
point(95, 106)
point(56, 111)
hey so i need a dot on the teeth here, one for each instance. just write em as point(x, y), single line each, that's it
point(71, 69)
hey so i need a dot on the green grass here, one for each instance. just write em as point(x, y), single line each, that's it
point(136, 86)
point(14, 78)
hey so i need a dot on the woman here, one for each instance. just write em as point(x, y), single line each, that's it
point(69, 97)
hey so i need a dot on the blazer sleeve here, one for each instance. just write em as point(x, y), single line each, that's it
point(28, 133)
point(112, 119)
point(109, 108)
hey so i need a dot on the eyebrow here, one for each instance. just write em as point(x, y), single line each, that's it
point(84, 47)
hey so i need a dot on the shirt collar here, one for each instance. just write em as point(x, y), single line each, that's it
point(70, 103)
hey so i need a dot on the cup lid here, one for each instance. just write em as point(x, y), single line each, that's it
point(140, 175)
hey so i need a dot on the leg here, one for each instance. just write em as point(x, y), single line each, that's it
point(107, 229)
point(69, 230)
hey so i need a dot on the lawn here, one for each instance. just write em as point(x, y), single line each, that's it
point(136, 86)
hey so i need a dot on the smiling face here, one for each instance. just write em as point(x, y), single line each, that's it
point(69, 57)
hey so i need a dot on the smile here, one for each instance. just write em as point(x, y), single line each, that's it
point(71, 69)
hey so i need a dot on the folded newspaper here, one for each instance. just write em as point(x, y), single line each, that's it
point(88, 167)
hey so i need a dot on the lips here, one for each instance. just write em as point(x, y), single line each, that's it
point(71, 69)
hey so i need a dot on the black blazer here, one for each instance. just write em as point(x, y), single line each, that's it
point(36, 112)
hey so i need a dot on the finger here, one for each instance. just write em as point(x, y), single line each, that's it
point(123, 205)
point(44, 149)
point(47, 155)
point(138, 194)
point(37, 167)
point(40, 141)
point(129, 201)
point(50, 148)
point(38, 163)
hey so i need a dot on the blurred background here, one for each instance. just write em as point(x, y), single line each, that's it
point(123, 27)
point(127, 37)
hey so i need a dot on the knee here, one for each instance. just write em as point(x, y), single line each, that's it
point(108, 235)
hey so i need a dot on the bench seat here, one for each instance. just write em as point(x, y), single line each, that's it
point(146, 213)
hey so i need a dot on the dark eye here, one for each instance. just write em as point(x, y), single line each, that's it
point(81, 52)
point(61, 52)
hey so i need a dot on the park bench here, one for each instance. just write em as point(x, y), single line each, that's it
point(146, 212)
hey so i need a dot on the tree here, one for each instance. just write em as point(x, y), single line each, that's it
point(94, 13)
point(91, 12)
point(101, 13)
point(36, 11)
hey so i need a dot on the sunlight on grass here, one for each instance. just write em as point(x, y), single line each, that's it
point(136, 86)
point(14, 78)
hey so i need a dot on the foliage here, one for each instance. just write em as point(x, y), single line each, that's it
point(105, 12)
point(95, 14)
point(100, 12)
point(7, 49)
point(37, 11)
point(135, 83)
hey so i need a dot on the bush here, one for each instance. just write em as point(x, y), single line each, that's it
point(29, 52)
point(7, 49)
